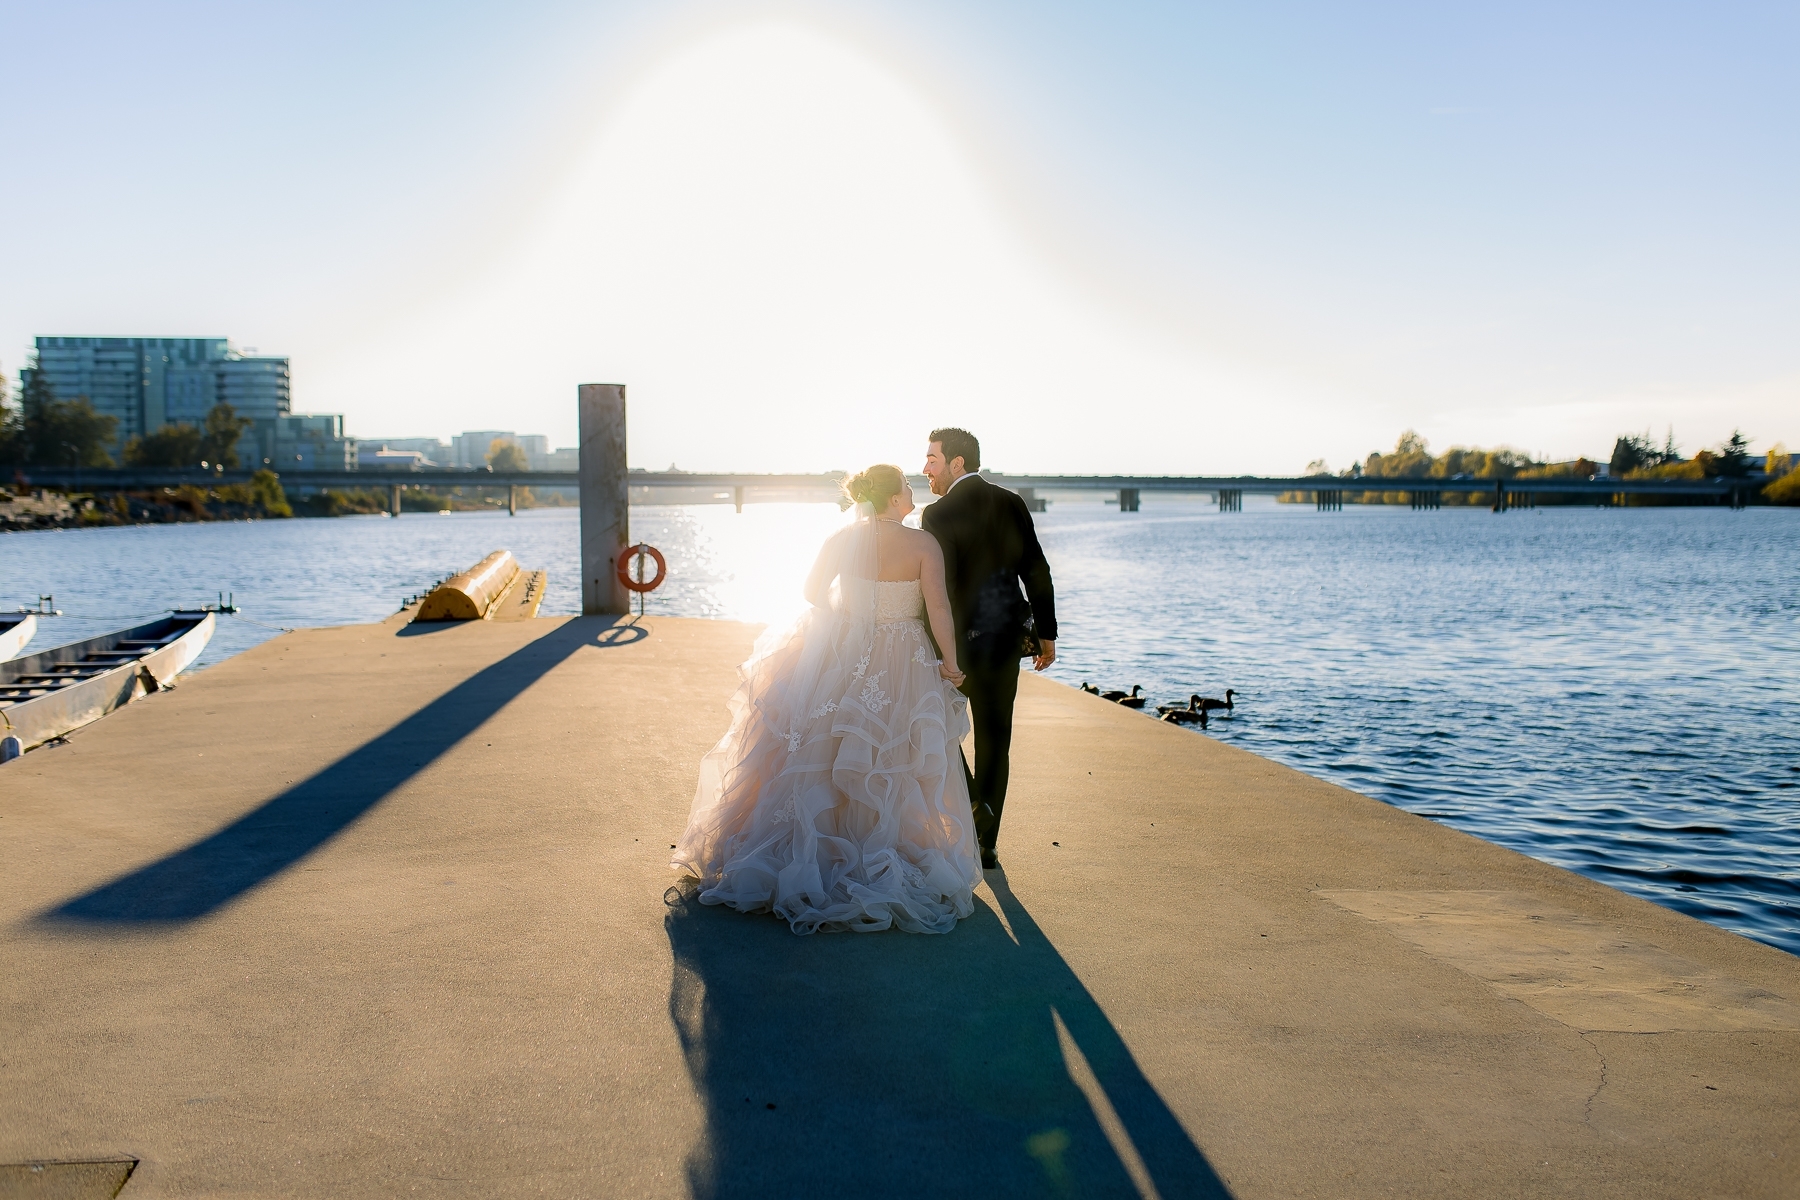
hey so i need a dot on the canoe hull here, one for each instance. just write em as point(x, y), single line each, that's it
point(58, 711)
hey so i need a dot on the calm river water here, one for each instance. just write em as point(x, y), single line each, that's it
point(1613, 691)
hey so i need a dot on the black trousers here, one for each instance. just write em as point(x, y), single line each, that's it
point(991, 691)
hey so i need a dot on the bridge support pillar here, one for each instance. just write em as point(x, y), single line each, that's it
point(1231, 500)
point(737, 497)
point(605, 497)
point(1128, 499)
point(1329, 500)
point(394, 499)
point(1499, 495)
point(512, 499)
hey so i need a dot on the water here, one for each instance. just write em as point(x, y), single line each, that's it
point(1608, 690)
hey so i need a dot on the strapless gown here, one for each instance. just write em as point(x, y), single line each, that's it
point(857, 817)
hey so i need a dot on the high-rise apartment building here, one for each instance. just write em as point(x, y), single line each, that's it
point(536, 447)
point(146, 383)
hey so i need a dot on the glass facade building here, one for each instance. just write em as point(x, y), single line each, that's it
point(146, 383)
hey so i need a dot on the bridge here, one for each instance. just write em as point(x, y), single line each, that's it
point(1327, 491)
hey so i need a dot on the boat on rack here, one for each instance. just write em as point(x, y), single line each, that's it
point(15, 630)
point(47, 694)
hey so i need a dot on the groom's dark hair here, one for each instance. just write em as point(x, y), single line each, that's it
point(958, 443)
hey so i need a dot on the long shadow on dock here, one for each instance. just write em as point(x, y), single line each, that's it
point(195, 881)
point(907, 1065)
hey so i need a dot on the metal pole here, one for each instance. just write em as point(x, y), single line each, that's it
point(605, 498)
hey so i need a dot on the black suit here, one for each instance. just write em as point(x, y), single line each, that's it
point(990, 547)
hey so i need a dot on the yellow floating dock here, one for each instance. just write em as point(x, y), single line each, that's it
point(495, 588)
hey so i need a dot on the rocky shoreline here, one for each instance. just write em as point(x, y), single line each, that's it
point(43, 509)
point(260, 499)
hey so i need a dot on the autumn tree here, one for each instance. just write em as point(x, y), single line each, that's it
point(503, 455)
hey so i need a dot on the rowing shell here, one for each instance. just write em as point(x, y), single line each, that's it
point(15, 630)
point(47, 694)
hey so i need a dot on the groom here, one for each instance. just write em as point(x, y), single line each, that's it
point(989, 547)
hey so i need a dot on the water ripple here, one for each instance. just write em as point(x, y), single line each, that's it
point(1611, 691)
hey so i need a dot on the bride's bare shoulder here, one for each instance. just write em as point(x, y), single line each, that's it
point(923, 542)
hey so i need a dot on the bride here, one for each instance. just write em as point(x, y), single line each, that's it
point(837, 800)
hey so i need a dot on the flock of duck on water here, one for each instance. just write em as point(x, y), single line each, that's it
point(1192, 713)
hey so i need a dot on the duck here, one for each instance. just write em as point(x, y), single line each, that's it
point(1129, 699)
point(1089, 688)
point(1193, 705)
point(1186, 716)
point(1210, 704)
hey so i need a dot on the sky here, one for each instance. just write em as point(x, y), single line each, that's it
point(1147, 238)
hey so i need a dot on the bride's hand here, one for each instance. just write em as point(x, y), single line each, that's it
point(950, 674)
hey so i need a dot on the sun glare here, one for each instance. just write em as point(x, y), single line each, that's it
point(784, 249)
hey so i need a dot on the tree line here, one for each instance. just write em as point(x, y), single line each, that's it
point(1634, 456)
point(42, 430)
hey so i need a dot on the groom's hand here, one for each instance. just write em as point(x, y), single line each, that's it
point(1045, 656)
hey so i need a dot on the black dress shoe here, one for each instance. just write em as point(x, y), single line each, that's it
point(989, 860)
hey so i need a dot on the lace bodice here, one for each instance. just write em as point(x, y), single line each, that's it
point(898, 601)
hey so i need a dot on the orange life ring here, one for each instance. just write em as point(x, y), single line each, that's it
point(638, 585)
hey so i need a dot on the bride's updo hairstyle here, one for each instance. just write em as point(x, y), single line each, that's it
point(875, 486)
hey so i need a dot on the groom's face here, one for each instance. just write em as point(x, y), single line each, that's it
point(941, 474)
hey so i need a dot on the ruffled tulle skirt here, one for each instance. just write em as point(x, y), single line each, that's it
point(837, 799)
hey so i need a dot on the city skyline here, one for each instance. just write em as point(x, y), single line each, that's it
point(1145, 239)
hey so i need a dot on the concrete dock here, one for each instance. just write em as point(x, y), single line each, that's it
point(386, 910)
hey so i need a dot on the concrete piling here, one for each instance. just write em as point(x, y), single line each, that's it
point(605, 498)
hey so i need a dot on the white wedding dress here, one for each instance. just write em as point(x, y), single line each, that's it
point(837, 800)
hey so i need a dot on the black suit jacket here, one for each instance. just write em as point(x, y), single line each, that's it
point(990, 548)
